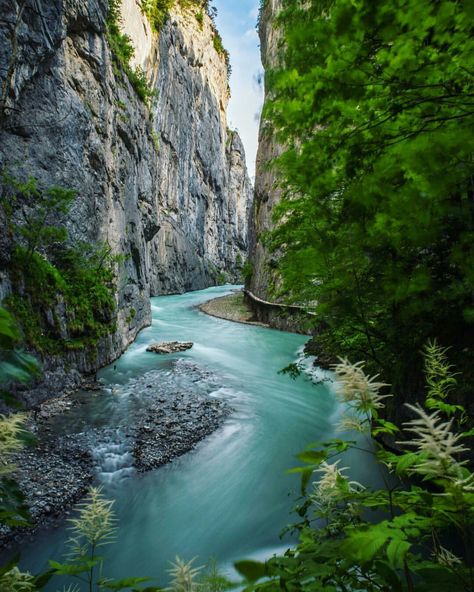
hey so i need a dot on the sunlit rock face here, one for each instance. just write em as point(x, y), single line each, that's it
point(166, 186)
point(203, 189)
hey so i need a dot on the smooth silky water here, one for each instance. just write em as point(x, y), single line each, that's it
point(231, 496)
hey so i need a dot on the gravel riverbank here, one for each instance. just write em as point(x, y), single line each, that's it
point(59, 469)
point(232, 308)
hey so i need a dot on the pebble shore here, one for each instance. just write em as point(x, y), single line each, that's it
point(58, 470)
point(231, 308)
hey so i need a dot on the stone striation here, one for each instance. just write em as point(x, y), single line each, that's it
point(167, 186)
point(267, 194)
point(259, 292)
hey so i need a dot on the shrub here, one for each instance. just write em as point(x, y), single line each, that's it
point(123, 51)
point(420, 539)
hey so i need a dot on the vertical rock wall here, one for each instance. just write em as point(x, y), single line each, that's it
point(264, 278)
point(167, 186)
point(267, 194)
point(203, 188)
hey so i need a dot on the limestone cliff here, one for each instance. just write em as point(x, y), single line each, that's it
point(166, 186)
point(267, 194)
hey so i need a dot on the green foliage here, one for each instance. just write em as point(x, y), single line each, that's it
point(221, 50)
point(374, 108)
point(80, 282)
point(156, 140)
point(247, 271)
point(221, 278)
point(140, 83)
point(123, 50)
point(200, 18)
point(211, 579)
point(157, 11)
point(218, 45)
point(440, 380)
point(131, 315)
point(15, 364)
point(63, 297)
point(40, 210)
point(421, 540)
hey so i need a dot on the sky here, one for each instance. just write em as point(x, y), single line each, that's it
point(236, 21)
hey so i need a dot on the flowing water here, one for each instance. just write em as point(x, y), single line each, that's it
point(230, 497)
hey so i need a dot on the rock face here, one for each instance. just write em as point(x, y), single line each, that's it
point(166, 186)
point(267, 194)
point(169, 347)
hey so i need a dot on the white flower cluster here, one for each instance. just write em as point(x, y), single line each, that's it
point(17, 581)
point(358, 389)
point(11, 428)
point(184, 575)
point(332, 484)
point(438, 446)
point(361, 393)
point(95, 523)
point(445, 557)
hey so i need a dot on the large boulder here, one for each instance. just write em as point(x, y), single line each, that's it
point(169, 347)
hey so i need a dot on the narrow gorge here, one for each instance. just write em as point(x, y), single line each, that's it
point(209, 383)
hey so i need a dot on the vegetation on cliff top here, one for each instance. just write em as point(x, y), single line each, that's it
point(123, 50)
point(157, 12)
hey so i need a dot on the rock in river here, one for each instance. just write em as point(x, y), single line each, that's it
point(169, 347)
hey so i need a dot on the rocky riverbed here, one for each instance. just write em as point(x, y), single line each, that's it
point(172, 428)
point(167, 421)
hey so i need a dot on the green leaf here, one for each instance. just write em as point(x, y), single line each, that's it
point(314, 457)
point(406, 461)
point(396, 552)
point(251, 570)
point(72, 569)
point(121, 584)
point(363, 546)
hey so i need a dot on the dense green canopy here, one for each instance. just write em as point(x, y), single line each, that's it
point(375, 105)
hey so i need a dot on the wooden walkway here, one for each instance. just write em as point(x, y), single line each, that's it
point(292, 307)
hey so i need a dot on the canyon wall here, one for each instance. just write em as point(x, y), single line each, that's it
point(164, 185)
point(263, 279)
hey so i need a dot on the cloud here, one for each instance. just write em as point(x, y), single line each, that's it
point(253, 14)
point(251, 34)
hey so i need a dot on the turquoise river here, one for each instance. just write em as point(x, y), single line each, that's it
point(232, 495)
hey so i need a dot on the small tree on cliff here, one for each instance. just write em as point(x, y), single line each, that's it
point(40, 210)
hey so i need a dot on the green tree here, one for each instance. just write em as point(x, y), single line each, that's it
point(375, 109)
point(40, 212)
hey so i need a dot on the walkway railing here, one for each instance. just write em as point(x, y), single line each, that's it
point(279, 305)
